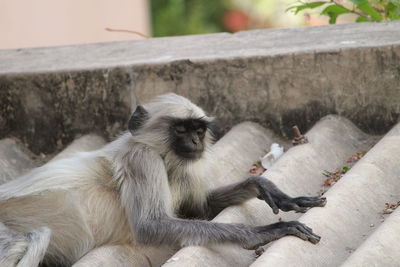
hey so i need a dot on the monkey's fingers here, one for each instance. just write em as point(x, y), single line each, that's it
point(310, 201)
point(313, 238)
point(305, 233)
point(292, 205)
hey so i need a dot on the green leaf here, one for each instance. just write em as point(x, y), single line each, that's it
point(333, 11)
point(394, 15)
point(393, 11)
point(362, 19)
point(311, 5)
point(395, 2)
point(336, 9)
point(366, 8)
point(315, 4)
point(345, 169)
point(332, 18)
point(359, 2)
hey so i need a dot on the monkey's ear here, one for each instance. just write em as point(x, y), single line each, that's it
point(138, 118)
point(215, 128)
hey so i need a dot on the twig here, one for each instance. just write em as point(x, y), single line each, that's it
point(298, 138)
point(128, 31)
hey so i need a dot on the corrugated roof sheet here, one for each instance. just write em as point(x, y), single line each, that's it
point(354, 230)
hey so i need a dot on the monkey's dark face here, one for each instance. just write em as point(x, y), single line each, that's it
point(188, 137)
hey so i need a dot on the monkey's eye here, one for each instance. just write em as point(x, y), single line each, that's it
point(180, 129)
point(200, 131)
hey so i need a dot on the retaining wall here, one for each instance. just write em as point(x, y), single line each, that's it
point(278, 78)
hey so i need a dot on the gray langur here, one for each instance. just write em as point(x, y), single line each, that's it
point(149, 186)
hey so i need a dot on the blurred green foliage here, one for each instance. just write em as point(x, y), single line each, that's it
point(364, 10)
point(182, 17)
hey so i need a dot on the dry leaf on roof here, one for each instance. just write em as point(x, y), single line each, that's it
point(334, 176)
point(390, 207)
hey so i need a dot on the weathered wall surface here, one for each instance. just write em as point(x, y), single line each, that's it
point(46, 111)
point(275, 77)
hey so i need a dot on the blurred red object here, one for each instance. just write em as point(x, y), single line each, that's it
point(235, 20)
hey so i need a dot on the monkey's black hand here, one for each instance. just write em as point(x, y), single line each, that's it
point(276, 199)
point(268, 233)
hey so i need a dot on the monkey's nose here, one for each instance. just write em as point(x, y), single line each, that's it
point(195, 139)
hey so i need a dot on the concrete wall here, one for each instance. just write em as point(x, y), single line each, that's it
point(275, 77)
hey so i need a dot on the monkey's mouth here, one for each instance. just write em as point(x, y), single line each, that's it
point(190, 154)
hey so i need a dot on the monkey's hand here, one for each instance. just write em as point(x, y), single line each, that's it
point(276, 199)
point(268, 233)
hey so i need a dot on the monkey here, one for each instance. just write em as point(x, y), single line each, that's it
point(150, 186)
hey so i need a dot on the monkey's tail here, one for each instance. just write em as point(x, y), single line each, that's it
point(38, 241)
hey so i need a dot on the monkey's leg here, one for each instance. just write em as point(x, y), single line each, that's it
point(262, 188)
point(23, 250)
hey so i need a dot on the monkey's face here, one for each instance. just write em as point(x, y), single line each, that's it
point(188, 137)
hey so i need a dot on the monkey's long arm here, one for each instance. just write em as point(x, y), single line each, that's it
point(261, 187)
point(145, 197)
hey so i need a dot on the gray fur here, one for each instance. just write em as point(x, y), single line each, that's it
point(136, 185)
point(12, 245)
point(22, 250)
point(38, 242)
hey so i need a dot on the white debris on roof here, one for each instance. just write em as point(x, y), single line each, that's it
point(276, 151)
